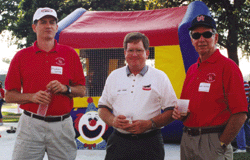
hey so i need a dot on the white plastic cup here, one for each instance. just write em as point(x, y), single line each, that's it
point(183, 106)
point(130, 119)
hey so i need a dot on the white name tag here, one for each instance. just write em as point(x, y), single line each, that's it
point(204, 87)
point(56, 70)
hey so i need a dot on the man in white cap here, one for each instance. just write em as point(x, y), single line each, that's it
point(46, 75)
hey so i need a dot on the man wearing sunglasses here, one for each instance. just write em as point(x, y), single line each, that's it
point(217, 108)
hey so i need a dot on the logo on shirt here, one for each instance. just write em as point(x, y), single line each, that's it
point(60, 61)
point(146, 88)
point(210, 77)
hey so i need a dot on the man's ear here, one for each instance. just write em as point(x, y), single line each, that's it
point(147, 53)
point(34, 27)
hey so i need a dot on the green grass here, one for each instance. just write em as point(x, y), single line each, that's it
point(10, 117)
point(10, 114)
point(242, 156)
point(10, 120)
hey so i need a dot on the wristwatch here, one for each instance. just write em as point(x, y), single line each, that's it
point(153, 124)
point(223, 145)
point(68, 90)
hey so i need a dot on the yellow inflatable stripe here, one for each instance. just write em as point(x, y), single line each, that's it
point(169, 60)
point(82, 102)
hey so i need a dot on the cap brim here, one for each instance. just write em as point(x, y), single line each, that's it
point(44, 16)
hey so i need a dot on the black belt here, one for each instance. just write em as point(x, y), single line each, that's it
point(47, 119)
point(199, 131)
point(138, 136)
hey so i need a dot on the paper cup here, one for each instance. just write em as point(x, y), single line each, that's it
point(130, 118)
point(183, 106)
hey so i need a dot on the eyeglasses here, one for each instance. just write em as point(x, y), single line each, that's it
point(207, 34)
point(137, 51)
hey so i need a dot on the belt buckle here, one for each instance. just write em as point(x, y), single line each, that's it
point(135, 136)
point(193, 132)
point(189, 132)
point(46, 119)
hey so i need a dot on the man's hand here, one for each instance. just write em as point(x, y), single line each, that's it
point(41, 97)
point(56, 87)
point(177, 114)
point(138, 126)
point(120, 122)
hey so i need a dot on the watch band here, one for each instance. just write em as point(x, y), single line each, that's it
point(68, 90)
point(153, 124)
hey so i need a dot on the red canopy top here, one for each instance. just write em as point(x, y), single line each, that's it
point(107, 29)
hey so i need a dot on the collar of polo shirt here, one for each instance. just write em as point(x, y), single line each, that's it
point(142, 73)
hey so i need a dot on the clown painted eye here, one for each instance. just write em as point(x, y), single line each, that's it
point(95, 119)
point(89, 119)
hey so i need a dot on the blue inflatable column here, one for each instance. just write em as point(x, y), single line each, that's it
point(189, 54)
point(72, 17)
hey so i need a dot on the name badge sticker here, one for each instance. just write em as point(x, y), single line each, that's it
point(56, 70)
point(204, 87)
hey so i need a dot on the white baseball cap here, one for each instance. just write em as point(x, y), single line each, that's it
point(41, 12)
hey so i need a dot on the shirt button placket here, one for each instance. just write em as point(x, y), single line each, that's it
point(47, 58)
point(133, 85)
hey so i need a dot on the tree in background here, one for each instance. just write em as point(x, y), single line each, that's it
point(22, 26)
point(24, 10)
point(8, 12)
point(231, 17)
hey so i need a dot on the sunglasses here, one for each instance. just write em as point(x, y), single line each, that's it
point(207, 34)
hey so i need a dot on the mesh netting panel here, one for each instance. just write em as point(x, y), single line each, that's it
point(99, 63)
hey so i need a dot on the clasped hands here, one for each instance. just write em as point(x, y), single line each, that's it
point(136, 127)
point(44, 97)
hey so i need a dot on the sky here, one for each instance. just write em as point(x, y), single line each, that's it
point(9, 51)
point(6, 52)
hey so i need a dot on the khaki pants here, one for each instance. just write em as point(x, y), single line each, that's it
point(35, 137)
point(204, 147)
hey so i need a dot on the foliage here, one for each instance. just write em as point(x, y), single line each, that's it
point(116, 5)
point(241, 156)
point(6, 60)
point(22, 28)
point(8, 13)
point(10, 114)
point(26, 8)
point(231, 17)
point(10, 117)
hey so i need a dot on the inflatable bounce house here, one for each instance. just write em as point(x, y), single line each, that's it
point(98, 36)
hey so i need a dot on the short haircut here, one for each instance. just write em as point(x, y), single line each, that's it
point(136, 37)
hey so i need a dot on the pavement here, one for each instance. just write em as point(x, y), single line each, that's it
point(7, 141)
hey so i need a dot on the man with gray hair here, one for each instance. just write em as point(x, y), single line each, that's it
point(214, 86)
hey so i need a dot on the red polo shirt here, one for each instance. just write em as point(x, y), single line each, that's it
point(204, 87)
point(32, 69)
